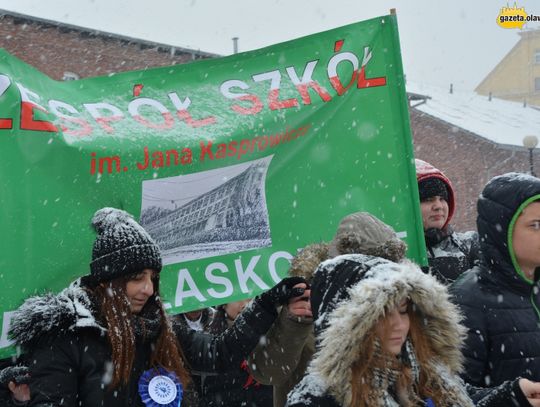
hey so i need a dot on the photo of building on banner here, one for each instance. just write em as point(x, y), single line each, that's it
point(228, 218)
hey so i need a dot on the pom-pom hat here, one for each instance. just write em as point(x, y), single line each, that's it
point(122, 246)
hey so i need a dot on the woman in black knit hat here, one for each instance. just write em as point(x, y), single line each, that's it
point(106, 340)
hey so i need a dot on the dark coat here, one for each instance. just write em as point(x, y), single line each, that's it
point(450, 254)
point(236, 387)
point(69, 356)
point(500, 305)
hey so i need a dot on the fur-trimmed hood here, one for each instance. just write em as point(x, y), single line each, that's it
point(308, 259)
point(68, 310)
point(349, 295)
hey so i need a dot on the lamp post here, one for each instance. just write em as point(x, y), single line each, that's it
point(530, 142)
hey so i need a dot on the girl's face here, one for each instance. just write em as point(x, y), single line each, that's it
point(139, 289)
point(392, 330)
point(434, 212)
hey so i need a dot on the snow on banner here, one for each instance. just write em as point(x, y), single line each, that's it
point(231, 164)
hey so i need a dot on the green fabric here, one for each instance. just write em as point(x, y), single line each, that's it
point(231, 164)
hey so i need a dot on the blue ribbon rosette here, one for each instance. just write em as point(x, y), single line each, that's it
point(160, 388)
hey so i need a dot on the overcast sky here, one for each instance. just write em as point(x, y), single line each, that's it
point(446, 42)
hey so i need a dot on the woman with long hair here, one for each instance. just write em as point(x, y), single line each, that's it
point(387, 335)
point(106, 339)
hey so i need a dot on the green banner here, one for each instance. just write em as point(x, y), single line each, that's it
point(231, 164)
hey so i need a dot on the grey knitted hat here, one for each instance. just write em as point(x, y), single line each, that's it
point(363, 233)
point(122, 247)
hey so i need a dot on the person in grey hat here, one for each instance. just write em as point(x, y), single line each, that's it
point(290, 344)
point(106, 338)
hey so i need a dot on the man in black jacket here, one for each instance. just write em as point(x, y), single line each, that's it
point(500, 297)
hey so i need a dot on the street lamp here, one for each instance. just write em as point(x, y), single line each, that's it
point(530, 142)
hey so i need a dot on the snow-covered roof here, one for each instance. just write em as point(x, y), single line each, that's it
point(500, 121)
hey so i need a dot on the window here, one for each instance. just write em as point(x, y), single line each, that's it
point(537, 84)
point(537, 57)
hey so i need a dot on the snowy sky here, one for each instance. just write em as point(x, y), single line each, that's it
point(442, 42)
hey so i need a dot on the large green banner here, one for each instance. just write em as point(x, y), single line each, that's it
point(231, 164)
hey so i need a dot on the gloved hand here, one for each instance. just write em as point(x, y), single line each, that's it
point(281, 293)
point(17, 374)
point(14, 385)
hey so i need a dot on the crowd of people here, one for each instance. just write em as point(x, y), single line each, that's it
point(355, 324)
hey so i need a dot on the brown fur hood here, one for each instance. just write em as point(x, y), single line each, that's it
point(308, 259)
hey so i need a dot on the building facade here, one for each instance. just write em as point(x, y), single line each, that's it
point(469, 160)
point(65, 52)
point(517, 76)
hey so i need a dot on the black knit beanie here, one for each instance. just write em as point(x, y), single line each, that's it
point(431, 187)
point(122, 247)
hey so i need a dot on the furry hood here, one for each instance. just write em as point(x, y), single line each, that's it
point(358, 290)
point(307, 260)
point(68, 310)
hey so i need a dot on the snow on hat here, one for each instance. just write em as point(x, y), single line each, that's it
point(122, 247)
point(361, 232)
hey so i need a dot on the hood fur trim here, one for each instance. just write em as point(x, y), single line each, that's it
point(40, 315)
point(383, 286)
point(307, 260)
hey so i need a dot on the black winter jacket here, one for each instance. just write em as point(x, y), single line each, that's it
point(236, 387)
point(499, 304)
point(450, 253)
point(69, 354)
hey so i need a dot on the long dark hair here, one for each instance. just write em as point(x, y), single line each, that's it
point(116, 314)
